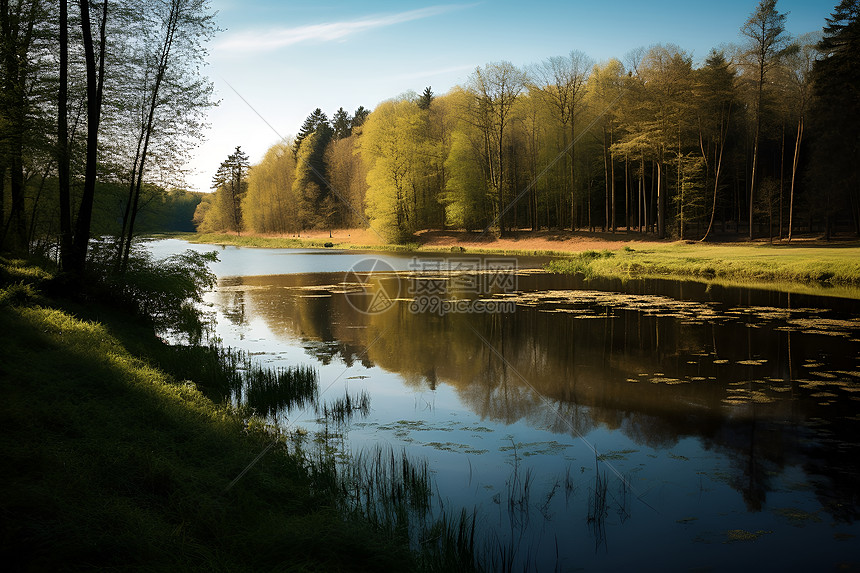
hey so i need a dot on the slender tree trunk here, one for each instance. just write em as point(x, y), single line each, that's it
point(793, 176)
point(612, 220)
point(755, 148)
point(643, 207)
point(95, 87)
point(627, 192)
point(680, 189)
point(63, 168)
point(164, 59)
point(723, 136)
point(607, 180)
point(572, 175)
point(661, 203)
point(781, 178)
point(16, 33)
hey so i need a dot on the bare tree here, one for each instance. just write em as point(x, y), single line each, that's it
point(496, 88)
point(561, 82)
point(767, 41)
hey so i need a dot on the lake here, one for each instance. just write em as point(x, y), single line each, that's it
point(590, 424)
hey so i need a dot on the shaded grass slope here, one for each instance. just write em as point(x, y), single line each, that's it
point(111, 463)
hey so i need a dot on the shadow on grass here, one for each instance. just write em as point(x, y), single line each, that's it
point(107, 463)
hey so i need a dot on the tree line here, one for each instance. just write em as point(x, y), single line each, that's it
point(102, 103)
point(760, 139)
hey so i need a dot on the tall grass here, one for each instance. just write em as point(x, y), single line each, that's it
point(119, 460)
point(816, 269)
point(342, 410)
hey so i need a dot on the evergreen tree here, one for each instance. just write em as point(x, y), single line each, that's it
point(313, 122)
point(311, 185)
point(836, 114)
point(230, 185)
point(425, 99)
point(359, 116)
point(341, 124)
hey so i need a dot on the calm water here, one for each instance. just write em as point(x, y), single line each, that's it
point(600, 425)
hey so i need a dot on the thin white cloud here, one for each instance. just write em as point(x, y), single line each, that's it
point(259, 41)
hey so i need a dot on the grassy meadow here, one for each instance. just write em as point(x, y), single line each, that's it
point(825, 270)
point(112, 462)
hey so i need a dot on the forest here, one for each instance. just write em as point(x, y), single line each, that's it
point(101, 106)
point(759, 140)
point(103, 103)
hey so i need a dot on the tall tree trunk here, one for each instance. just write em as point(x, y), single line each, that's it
point(95, 87)
point(643, 207)
point(627, 192)
point(164, 58)
point(16, 34)
point(612, 186)
point(793, 176)
point(755, 149)
point(606, 180)
point(724, 133)
point(781, 178)
point(661, 203)
point(572, 175)
point(63, 167)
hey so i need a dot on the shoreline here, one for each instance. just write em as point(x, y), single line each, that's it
point(806, 266)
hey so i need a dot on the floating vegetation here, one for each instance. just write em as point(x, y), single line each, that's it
point(758, 362)
point(797, 517)
point(616, 455)
point(454, 447)
point(669, 381)
point(827, 375)
point(733, 535)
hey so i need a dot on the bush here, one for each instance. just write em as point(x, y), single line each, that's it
point(166, 291)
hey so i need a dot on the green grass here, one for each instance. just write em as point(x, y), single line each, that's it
point(833, 271)
point(297, 243)
point(288, 243)
point(109, 462)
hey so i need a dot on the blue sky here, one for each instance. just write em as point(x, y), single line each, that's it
point(286, 58)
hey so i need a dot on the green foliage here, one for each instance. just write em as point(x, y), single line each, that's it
point(117, 464)
point(166, 291)
point(269, 205)
point(391, 146)
point(466, 195)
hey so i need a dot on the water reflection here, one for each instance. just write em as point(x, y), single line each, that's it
point(765, 380)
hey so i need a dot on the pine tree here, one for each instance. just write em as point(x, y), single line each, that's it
point(836, 114)
point(312, 123)
point(426, 98)
point(359, 116)
point(230, 182)
point(341, 123)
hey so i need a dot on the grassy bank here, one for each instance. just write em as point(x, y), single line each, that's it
point(832, 270)
point(813, 270)
point(109, 462)
point(300, 243)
